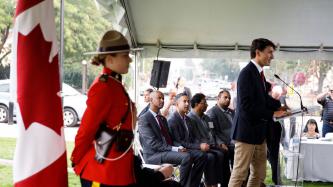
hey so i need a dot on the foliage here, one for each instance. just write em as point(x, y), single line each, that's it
point(73, 74)
point(6, 20)
point(319, 70)
point(83, 28)
point(222, 68)
point(315, 68)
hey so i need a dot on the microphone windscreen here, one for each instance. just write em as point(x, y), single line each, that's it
point(276, 76)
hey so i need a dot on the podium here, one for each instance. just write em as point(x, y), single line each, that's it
point(291, 158)
point(298, 112)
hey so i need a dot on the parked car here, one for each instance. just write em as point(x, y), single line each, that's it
point(4, 100)
point(73, 101)
point(74, 105)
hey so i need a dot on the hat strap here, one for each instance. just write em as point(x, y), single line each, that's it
point(114, 48)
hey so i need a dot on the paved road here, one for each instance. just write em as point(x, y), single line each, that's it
point(10, 131)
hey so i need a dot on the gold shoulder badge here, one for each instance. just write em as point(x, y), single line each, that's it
point(104, 78)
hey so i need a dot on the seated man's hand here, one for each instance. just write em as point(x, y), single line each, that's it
point(224, 147)
point(166, 170)
point(204, 147)
point(182, 149)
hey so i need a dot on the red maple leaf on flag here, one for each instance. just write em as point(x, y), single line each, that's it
point(38, 100)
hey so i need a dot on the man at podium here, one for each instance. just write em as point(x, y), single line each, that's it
point(255, 109)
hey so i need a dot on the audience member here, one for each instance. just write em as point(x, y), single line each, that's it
point(181, 88)
point(182, 134)
point(274, 138)
point(146, 96)
point(311, 129)
point(170, 106)
point(147, 177)
point(285, 138)
point(222, 117)
point(203, 131)
point(326, 100)
point(159, 148)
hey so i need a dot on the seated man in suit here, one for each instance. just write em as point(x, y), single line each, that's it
point(202, 128)
point(182, 134)
point(146, 96)
point(222, 117)
point(158, 146)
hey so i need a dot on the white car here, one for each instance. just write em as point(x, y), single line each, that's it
point(73, 101)
point(4, 100)
point(74, 105)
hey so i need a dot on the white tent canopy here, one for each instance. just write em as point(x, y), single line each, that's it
point(196, 28)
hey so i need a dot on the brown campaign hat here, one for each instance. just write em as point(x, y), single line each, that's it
point(112, 42)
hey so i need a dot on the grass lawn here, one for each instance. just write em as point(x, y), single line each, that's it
point(6, 177)
point(7, 146)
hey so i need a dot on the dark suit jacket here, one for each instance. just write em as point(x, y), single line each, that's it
point(179, 133)
point(144, 110)
point(255, 107)
point(202, 132)
point(151, 138)
point(222, 125)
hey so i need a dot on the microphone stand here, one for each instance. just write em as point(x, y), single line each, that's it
point(303, 109)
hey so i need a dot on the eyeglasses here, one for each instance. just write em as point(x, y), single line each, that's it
point(203, 103)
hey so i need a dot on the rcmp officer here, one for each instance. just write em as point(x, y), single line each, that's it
point(107, 103)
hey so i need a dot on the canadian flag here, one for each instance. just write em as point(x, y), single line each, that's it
point(40, 155)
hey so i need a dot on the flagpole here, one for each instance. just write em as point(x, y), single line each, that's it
point(61, 64)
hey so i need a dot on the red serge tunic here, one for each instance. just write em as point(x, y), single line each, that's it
point(108, 103)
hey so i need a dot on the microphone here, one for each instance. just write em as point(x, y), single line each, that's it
point(303, 108)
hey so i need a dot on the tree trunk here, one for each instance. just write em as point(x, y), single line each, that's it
point(324, 67)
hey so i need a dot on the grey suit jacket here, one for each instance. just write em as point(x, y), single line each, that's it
point(222, 125)
point(151, 138)
point(202, 132)
point(180, 135)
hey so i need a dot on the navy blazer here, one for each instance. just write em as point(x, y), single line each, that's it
point(150, 136)
point(179, 133)
point(254, 109)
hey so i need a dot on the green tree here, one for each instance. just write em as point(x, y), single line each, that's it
point(84, 25)
point(6, 20)
point(319, 69)
point(221, 67)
